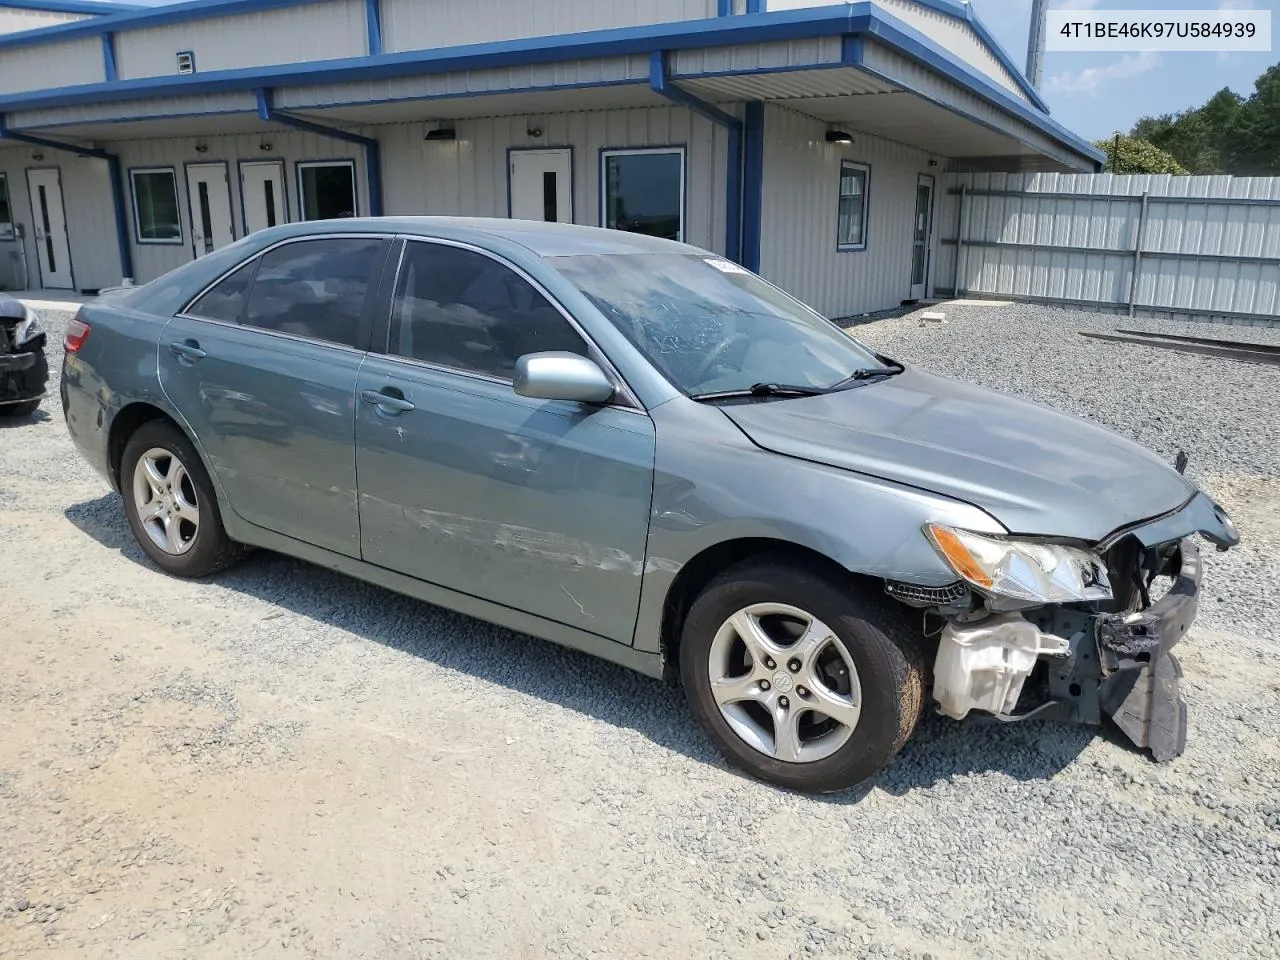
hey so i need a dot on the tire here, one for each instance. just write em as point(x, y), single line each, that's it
point(180, 540)
point(15, 410)
point(873, 635)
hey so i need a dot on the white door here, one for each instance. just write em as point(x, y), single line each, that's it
point(542, 185)
point(209, 197)
point(50, 222)
point(921, 234)
point(262, 192)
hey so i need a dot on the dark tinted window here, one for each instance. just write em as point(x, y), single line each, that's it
point(314, 288)
point(465, 310)
point(225, 299)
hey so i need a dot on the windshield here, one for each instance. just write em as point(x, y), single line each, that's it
point(709, 326)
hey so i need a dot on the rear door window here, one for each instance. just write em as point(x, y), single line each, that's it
point(316, 289)
point(225, 299)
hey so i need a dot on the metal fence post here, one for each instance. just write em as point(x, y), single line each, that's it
point(1137, 253)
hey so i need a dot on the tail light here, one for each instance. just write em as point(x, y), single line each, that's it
point(77, 332)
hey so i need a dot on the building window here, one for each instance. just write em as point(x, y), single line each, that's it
point(852, 230)
point(155, 206)
point(327, 189)
point(6, 211)
point(643, 191)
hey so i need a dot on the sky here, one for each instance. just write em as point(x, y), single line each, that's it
point(1096, 94)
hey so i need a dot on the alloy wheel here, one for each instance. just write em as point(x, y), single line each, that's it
point(785, 682)
point(165, 500)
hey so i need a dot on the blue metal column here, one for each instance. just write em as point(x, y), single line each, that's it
point(117, 186)
point(372, 149)
point(753, 185)
point(661, 84)
point(373, 16)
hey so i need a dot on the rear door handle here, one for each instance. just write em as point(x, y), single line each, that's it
point(187, 350)
point(386, 402)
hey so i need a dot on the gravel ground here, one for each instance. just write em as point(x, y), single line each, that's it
point(288, 763)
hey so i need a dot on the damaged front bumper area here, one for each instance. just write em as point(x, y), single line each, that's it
point(1090, 664)
point(23, 375)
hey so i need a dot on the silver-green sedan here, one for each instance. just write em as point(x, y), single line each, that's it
point(640, 449)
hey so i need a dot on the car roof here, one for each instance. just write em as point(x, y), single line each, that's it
point(543, 239)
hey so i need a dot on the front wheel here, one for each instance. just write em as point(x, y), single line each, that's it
point(171, 505)
point(799, 679)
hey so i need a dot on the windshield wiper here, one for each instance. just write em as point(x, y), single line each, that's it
point(762, 391)
point(891, 369)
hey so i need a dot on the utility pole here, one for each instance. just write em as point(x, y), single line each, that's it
point(1035, 43)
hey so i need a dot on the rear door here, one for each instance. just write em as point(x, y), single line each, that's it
point(539, 505)
point(263, 368)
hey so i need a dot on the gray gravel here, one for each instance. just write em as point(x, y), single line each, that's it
point(288, 762)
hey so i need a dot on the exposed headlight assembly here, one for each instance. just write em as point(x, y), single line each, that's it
point(27, 330)
point(1022, 569)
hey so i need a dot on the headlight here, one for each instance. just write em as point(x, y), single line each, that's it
point(1043, 572)
point(27, 329)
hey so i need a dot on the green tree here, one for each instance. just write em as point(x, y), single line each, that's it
point(1199, 139)
point(1253, 146)
point(1131, 155)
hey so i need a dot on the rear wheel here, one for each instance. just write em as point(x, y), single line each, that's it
point(171, 505)
point(799, 679)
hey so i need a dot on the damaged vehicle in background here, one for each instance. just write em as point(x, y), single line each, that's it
point(24, 370)
point(640, 449)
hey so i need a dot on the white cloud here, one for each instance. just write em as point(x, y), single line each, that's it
point(1235, 4)
point(1086, 4)
point(1091, 80)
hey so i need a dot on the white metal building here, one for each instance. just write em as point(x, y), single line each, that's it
point(801, 138)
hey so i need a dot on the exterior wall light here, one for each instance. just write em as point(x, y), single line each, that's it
point(444, 133)
point(202, 148)
point(839, 136)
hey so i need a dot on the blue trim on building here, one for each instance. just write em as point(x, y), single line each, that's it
point(998, 51)
point(853, 19)
point(109, 58)
point(756, 6)
point(372, 149)
point(117, 185)
point(724, 8)
point(851, 49)
point(916, 46)
point(373, 16)
point(618, 42)
point(752, 184)
point(134, 17)
point(94, 8)
point(660, 83)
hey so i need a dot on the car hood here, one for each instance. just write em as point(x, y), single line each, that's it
point(1035, 470)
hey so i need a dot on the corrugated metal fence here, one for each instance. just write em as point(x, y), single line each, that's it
point(1195, 247)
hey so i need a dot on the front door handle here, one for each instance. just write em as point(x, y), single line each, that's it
point(386, 402)
point(187, 350)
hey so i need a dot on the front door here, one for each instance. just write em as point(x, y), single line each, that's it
point(265, 375)
point(262, 192)
point(538, 505)
point(542, 185)
point(921, 234)
point(52, 248)
point(209, 197)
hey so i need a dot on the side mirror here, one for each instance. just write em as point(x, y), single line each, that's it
point(562, 376)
